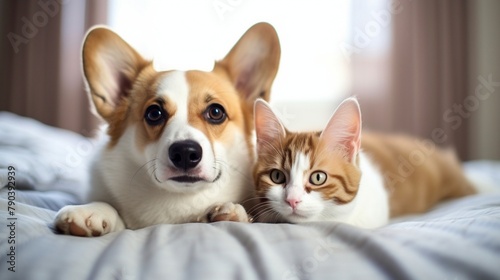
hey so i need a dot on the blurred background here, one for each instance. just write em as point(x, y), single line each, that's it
point(430, 68)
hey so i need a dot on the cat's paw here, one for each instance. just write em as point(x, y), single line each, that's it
point(94, 219)
point(229, 212)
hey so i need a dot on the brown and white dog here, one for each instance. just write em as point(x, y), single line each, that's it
point(179, 143)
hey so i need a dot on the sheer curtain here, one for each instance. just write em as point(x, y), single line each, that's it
point(422, 82)
point(41, 76)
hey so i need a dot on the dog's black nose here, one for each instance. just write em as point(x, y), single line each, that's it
point(185, 154)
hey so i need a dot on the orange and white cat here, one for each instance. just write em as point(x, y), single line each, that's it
point(338, 175)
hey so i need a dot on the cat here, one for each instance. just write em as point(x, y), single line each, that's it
point(337, 175)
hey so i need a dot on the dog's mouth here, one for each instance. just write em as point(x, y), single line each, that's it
point(193, 179)
point(186, 179)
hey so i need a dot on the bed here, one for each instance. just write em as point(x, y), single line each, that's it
point(456, 240)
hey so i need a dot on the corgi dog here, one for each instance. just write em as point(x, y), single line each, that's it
point(178, 144)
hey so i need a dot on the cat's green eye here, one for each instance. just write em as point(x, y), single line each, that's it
point(317, 178)
point(277, 176)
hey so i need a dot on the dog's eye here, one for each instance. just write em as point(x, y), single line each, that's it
point(154, 115)
point(215, 114)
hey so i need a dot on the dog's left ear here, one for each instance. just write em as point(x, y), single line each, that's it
point(253, 62)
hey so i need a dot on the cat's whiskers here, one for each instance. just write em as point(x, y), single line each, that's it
point(260, 208)
point(264, 210)
point(251, 199)
point(265, 216)
point(260, 204)
point(275, 218)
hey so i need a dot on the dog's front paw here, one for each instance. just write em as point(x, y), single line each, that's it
point(94, 219)
point(229, 212)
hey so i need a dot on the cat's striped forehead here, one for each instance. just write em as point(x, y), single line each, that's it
point(299, 144)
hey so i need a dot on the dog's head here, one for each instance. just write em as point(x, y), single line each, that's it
point(186, 128)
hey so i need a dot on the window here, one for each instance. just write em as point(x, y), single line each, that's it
point(192, 34)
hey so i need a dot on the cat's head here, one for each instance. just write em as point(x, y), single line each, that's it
point(307, 176)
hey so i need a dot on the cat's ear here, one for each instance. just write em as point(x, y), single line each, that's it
point(268, 127)
point(343, 131)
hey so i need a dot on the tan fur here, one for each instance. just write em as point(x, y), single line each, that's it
point(128, 109)
point(417, 174)
point(211, 88)
point(262, 80)
point(143, 95)
point(131, 108)
point(259, 86)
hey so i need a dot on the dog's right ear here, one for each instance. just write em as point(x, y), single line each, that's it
point(253, 62)
point(110, 66)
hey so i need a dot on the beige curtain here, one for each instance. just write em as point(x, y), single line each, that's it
point(40, 53)
point(427, 77)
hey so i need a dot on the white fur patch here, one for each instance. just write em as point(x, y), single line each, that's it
point(295, 188)
point(175, 88)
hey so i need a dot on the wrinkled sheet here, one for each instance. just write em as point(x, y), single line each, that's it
point(457, 240)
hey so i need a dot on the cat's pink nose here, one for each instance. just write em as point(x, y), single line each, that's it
point(293, 202)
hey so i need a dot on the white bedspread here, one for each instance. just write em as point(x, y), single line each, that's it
point(457, 240)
